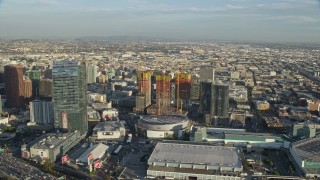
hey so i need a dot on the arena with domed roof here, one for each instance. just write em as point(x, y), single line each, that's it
point(163, 126)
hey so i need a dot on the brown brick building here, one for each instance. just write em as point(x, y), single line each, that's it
point(13, 78)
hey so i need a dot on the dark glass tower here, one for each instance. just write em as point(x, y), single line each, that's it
point(214, 99)
point(220, 100)
point(70, 95)
point(34, 76)
point(205, 97)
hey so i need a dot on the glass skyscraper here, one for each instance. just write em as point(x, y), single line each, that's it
point(220, 100)
point(214, 99)
point(70, 95)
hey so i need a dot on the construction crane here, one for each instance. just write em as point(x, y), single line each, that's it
point(138, 74)
point(178, 90)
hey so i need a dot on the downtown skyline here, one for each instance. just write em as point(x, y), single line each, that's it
point(230, 20)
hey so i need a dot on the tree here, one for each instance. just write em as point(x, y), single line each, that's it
point(115, 167)
point(48, 165)
point(108, 176)
point(6, 148)
point(9, 129)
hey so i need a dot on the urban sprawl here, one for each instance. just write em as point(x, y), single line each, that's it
point(97, 109)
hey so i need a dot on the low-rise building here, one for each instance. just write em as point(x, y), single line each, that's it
point(97, 151)
point(237, 137)
point(302, 130)
point(4, 120)
point(109, 113)
point(313, 105)
point(306, 154)
point(52, 146)
point(109, 130)
point(194, 161)
point(96, 97)
point(262, 105)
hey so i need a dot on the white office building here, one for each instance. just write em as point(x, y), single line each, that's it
point(92, 73)
point(109, 130)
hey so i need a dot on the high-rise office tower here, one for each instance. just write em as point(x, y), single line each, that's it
point(111, 73)
point(163, 92)
point(206, 97)
point(47, 74)
point(206, 73)
point(70, 95)
point(3, 63)
point(13, 78)
point(214, 99)
point(183, 84)
point(45, 88)
point(0, 104)
point(34, 76)
point(144, 86)
point(41, 112)
point(195, 89)
point(220, 101)
point(27, 89)
point(92, 73)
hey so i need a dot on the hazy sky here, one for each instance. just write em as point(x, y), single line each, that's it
point(245, 20)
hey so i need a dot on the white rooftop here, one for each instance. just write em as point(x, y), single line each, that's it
point(196, 154)
point(96, 150)
point(108, 126)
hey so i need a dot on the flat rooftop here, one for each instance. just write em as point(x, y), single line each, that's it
point(164, 119)
point(97, 150)
point(308, 149)
point(51, 140)
point(189, 171)
point(108, 126)
point(196, 154)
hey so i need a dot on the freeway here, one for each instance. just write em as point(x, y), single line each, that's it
point(15, 167)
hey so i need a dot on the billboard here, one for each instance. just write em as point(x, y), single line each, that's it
point(25, 154)
point(64, 159)
point(310, 164)
point(64, 117)
point(97, 164)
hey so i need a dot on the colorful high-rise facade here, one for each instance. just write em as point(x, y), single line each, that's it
point(183, 83)
point(144, 89)
point(163, 88)
point(27, 89)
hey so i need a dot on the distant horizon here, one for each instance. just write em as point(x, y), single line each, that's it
point(124, 38)
point(287, 21)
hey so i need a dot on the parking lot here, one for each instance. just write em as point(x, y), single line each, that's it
point(269, 162)
point(135, 162)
